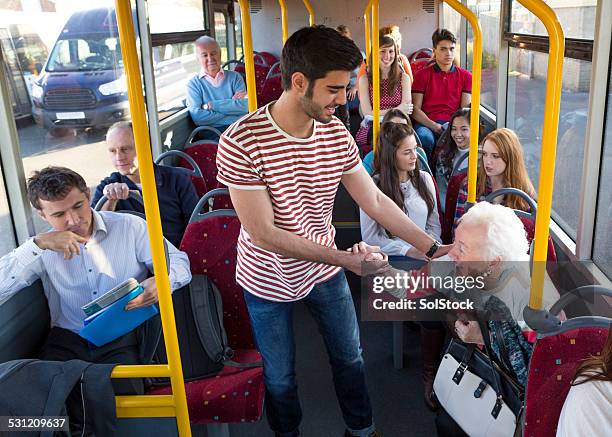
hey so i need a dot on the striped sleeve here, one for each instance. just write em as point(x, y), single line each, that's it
point(352, 159)
point(236, 167)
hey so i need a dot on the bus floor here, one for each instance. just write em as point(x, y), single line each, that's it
point(396, 395)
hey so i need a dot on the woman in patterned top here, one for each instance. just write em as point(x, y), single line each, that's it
point(395, 90)
point(502, 165)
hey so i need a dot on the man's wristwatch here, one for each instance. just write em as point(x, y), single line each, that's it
point(205, 106)
point(433, 249)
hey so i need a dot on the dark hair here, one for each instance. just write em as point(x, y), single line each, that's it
point(395, 71)
point(393, 113)
point(448, 146)
point(596, 368)
point(53, 183)
point(442, 35)
point(385, 173)
point(315, 51)
point(342, 28)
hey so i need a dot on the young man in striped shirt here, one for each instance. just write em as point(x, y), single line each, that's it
point(283, 164)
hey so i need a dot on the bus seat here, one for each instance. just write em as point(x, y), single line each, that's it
point(204, 153)
point(272, 87)
point(420, 64)
point(269, 58)
point(213, 200)
point(24, 323)
point(210, 242)
point(197, 178)
point(424, 53)
point(554, 360)
point(235, 395)
point(452, 192)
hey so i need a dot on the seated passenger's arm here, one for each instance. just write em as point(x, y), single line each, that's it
point(374, 235)
point(382, 209)
point(233, 105)
point(420, 116)
point(20, 268)
point(178, 262)
point(432, 226)
point(466, 99)
point(187, 196)
point(195, 100)
point(461, 201)
point(406, 105)
point(364, 96)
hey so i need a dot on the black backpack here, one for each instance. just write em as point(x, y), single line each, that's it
point(198, 310)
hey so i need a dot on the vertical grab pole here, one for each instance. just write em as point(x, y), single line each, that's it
point(475, 105)
point(552, 105)
point(249, 63)
point(284, 20)
point(311, 14)
point(127, 41)
point(375, 74)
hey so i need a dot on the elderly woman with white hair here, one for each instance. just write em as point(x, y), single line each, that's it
point(491, 244)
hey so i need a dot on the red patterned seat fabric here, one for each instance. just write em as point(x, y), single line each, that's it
point(204, 153)
point(452, 192)
point(529, 226)
point(211, 247)
point(272, 89)
point(553, 364)
point(234, 395)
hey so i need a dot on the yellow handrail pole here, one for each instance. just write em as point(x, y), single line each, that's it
point(475, 105)
point(311, 14)
point(368, 39)
point(375, 74)
point(552, 105)
point(284, 20)
point(127, 39)
point(249, 63)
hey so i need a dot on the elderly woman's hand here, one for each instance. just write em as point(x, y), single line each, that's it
point(469, 332)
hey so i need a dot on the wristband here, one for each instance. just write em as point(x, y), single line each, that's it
point(433, 249)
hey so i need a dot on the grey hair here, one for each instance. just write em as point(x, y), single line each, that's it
point(204, 40)
point(505, 234)
point(119, 125)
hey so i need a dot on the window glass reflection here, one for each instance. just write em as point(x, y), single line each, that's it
point(526, 95)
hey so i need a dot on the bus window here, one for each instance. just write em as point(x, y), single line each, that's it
point(221, 33)
point(238, 30)
point(7, 242)
point(78, 94)
point(526, 90)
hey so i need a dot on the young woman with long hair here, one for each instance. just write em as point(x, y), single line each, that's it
point(502, 165)
point(397, 174)
point(453, 145)
point(395, 90)
point(587, 408)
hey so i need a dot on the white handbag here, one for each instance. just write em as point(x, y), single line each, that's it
point(486, 405)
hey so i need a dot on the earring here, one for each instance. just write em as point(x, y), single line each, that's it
point(487, 273)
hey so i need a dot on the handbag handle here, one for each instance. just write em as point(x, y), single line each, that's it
point(496, 379)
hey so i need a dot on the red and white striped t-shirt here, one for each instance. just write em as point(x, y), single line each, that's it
point(302, 177)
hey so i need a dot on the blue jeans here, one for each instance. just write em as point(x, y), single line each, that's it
point(331, 305)
point(428, 137)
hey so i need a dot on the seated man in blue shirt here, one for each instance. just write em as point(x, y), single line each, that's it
point(175, 191)
point(86, 254)
point(215, 97)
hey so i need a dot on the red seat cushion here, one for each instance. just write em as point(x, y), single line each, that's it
point(210, 245)
point(272, 89)
point(554, 361)
point(234, 395)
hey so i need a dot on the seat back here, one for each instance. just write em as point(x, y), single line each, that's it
point(197, 178)
point(452, 192)
point(553, 364)
point(210, 243)
point(419, 64)
point(204, 153)
point(268, 57)
point(272, 87)
point(424, 53)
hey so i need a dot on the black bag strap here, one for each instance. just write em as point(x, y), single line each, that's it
point(486, 336)
point(503, 348)
point(207, 308)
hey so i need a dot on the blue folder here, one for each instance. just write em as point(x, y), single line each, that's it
point(114, 321)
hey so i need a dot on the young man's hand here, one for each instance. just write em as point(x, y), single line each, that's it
point(65, 242)
point(147, 297)
point(366, 259)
